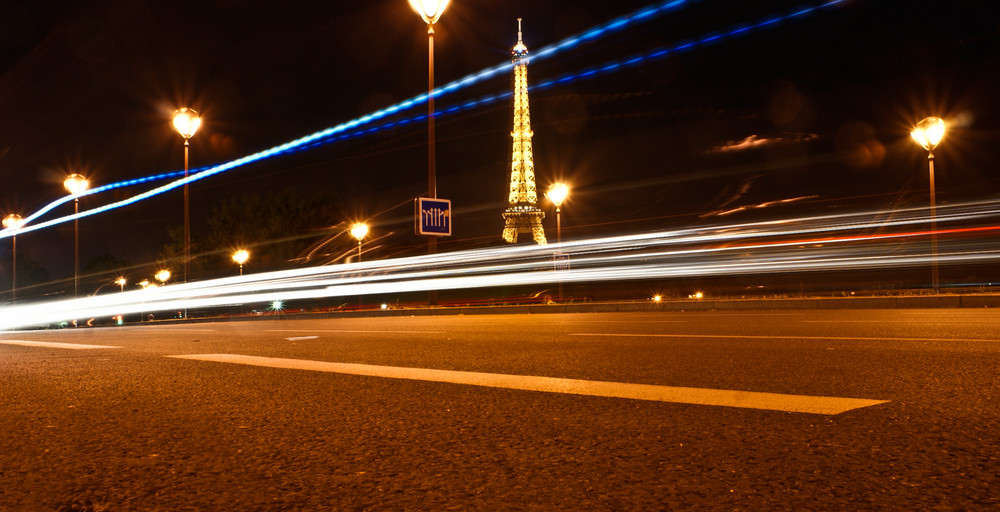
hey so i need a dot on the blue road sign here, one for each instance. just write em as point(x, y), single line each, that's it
point(433, 217)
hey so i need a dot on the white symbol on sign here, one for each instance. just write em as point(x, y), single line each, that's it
point(435, 217)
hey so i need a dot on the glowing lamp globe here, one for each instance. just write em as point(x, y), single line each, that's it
point(187, 122)
point(557, 193)
point(429, 10)
point(241, 256)
point(76, 184)
point(13, 221)
point(359, 231)
point(162, 276)
point(929, 132)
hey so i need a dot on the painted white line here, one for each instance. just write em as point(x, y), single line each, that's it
point(942, 321)
point(620, 321)
point(50, 344)
point(698, 396)
point(748, 313)
point(165, 328)
point(752, 337)
point(347, 331)
point(297, 338)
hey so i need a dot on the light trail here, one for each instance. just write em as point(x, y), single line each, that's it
point(809, 244)
point(344, 130)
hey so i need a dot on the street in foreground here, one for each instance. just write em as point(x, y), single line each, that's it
point(791, 410)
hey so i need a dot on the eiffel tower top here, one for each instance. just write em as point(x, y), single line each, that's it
point(519, 51)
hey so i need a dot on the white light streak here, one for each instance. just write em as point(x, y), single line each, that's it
point(861, 241)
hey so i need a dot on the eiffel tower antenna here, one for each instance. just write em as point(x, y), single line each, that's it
point(522, 214)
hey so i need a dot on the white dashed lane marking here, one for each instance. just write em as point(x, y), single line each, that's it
point(50, 344)
point(346, 331)
point(698, 396)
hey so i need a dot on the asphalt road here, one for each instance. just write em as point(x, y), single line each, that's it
point(136, 428)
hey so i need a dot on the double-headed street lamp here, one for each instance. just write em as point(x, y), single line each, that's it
point(76, 184)
point(13, 222)
point(186, 122)
point(240, 257)
point(928, 133)
point(359, 230)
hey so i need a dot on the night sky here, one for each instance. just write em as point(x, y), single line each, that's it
point(816, 111)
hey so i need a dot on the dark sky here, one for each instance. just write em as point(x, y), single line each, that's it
point(822, 107)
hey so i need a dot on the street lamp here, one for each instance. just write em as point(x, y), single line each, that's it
point(430, 11)
point(359, 230)
point(557, 194)
point(13, 222)
point(240, 257)
point(76, 184)
point(928, 133)
point(121, 282)
point(186, 122)
point(162, 276)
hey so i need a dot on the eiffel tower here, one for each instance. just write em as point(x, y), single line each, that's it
point(522, 214)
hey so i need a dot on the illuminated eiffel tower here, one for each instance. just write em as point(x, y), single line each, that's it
point(522, 214)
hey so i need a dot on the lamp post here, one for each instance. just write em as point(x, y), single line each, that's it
point(928, 133)
point(13, 222)
point(430, 11)
point(557, 194)
point(121, 282)
point(240, 257)
point(359, 230)
point(76, 184)
point(186, 122)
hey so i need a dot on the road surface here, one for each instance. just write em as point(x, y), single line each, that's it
point(789, 410)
